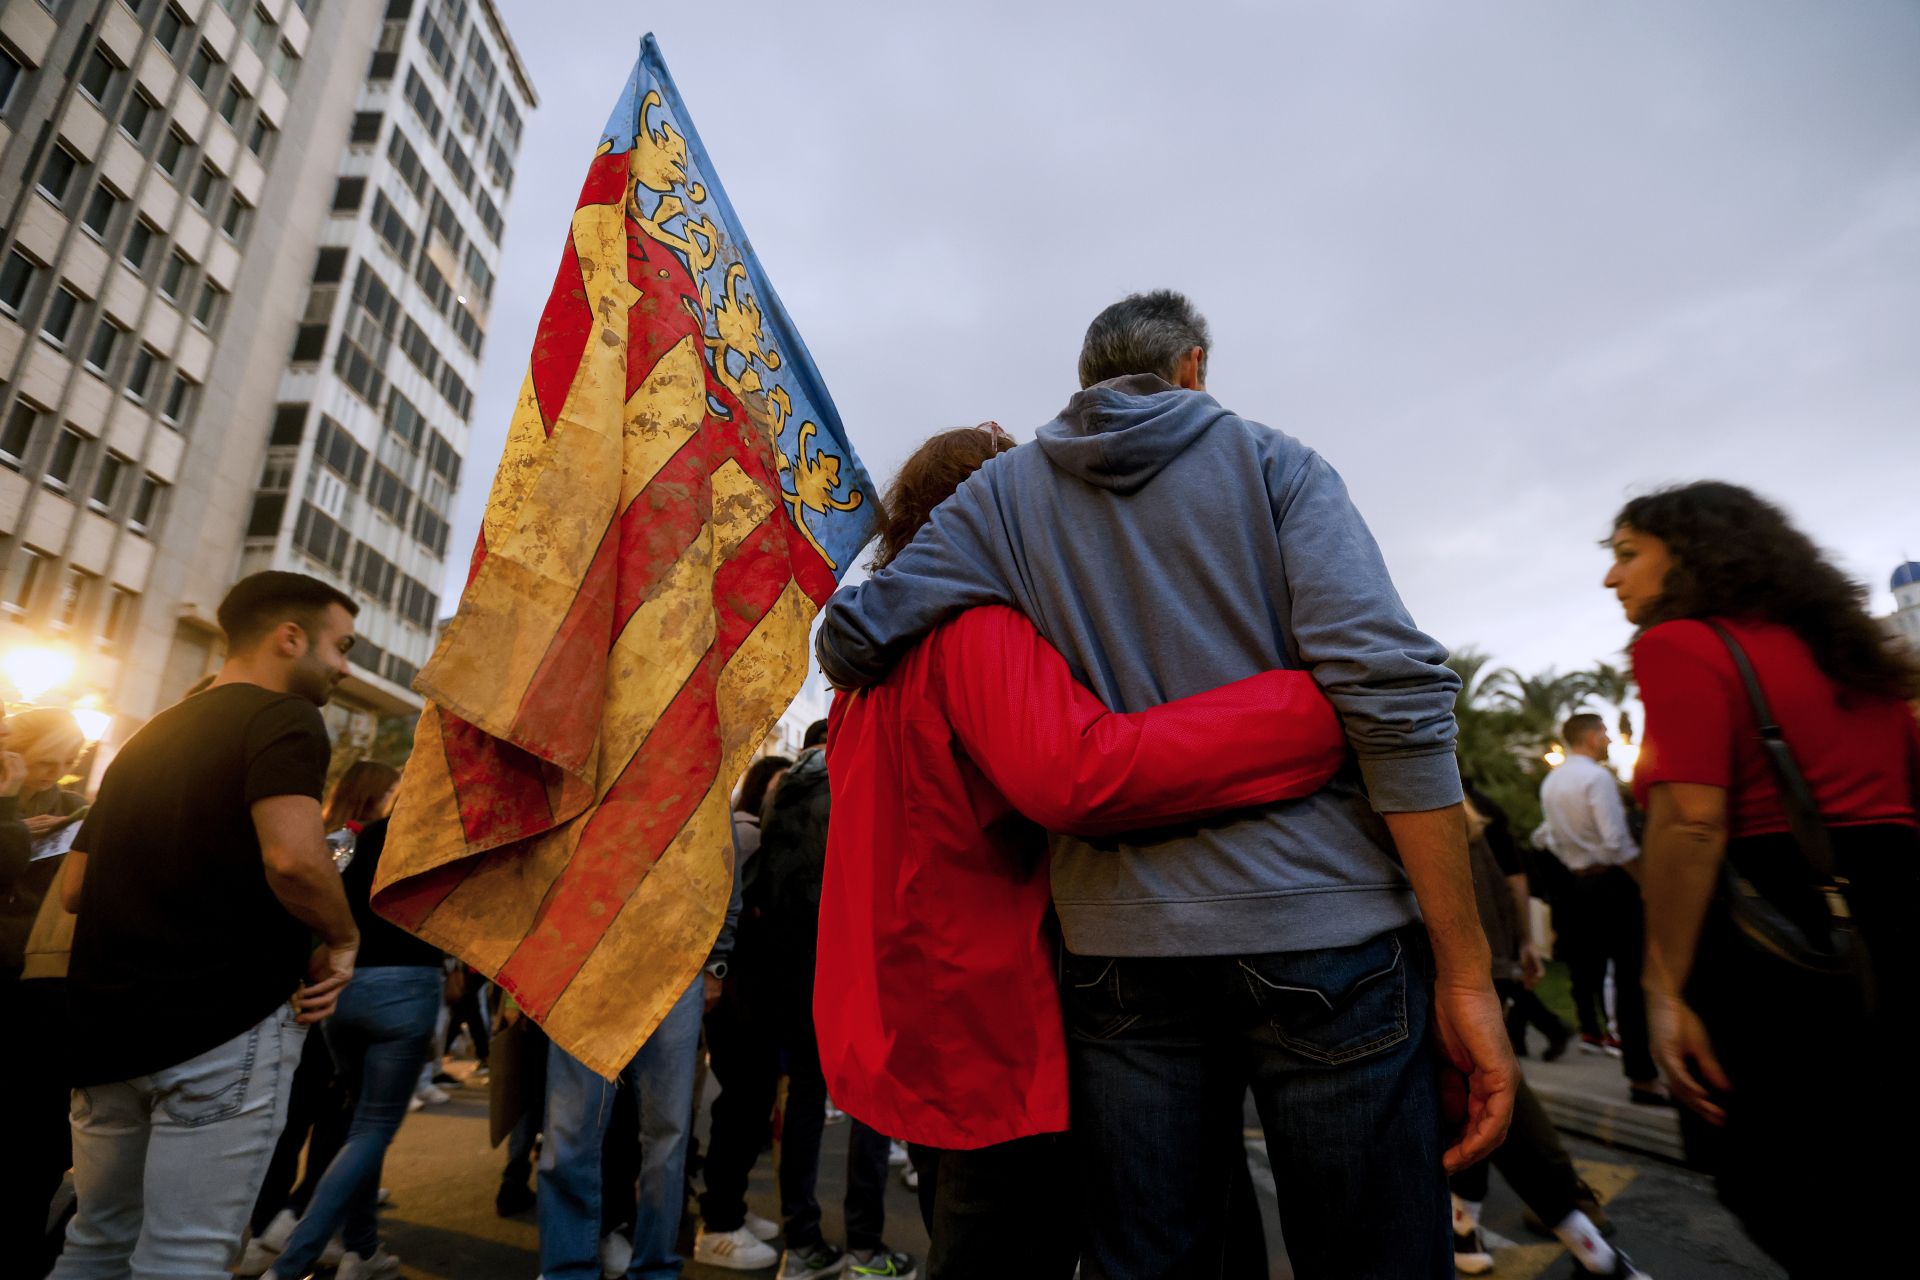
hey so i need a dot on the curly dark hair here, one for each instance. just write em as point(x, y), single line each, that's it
point(1736, 555)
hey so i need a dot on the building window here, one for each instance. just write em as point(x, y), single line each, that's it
point(489, 217)
point(471, 111)
point(373, 573)
point(404, 420)
point(146, 505)
point(173, 281)
point(99, 215)
point(75, 589)
point(366, 336)
point(105, 344)
point(59, 318)
point(406, 162)
point(457, 162)
point(317, 534)
point(233, 103)
point(348, 193)
point(500, 165)
point(168, 30)
point(456, 392)
point(417, 604)
point(289, 424)
point(442, 458)
point(17, 435)
point(257, 30)
point(66, 457)
point(211, 305)
point(202, 66)
point(438, 47)
point(479, 274)
point(173, 150)
point(269, 509)
point(429, 530)
point(56, 176)
point(10, 73)
point(179, 406)
point(139, 246)
point(23, 576)
point(420, 98)
point(339, 452)
point(239, 218)
point(261, 140)
point(96, 77)
point(16, 278)
point(507, 118)
point(206, 185)
point(117, 619)
point(366, 128)
point(146, 363)
point(392, 229)
point(138, 115)
point(330, 267)
point(284, 65)
point(389, 495)
point(468, 330)
point(106, 485)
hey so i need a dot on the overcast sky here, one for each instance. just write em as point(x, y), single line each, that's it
point(1503, 264)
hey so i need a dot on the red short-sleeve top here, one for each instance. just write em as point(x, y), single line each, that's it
point(1859, 753)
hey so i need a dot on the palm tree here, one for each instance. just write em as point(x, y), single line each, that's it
point(1538, 705)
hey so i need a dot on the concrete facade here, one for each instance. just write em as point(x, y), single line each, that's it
point(295, 248)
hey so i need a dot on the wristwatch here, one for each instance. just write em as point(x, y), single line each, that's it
point(718, 969)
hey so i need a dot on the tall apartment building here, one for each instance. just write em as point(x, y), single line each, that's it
point(1904, 621)
point(246, 282)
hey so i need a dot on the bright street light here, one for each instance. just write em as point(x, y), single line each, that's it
point(1555, 757)
point(93, 722)
point(34, 669)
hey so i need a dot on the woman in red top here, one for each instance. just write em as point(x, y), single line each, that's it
point(938, 1017)
point(1789, 1076)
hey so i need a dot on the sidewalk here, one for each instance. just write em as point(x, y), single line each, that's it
point(1585, 1093)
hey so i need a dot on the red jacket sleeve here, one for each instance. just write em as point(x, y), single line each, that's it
point(1064, 760)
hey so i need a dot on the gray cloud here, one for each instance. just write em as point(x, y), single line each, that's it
point(1503, 263)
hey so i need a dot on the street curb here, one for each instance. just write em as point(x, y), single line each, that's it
point(1652, 1130)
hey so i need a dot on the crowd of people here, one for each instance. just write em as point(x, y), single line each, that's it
point(1139, 797)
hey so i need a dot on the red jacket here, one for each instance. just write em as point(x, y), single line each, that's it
point(934, 879)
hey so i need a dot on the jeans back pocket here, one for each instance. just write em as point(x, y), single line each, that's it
point(212, 1086)
point(1333, 1005)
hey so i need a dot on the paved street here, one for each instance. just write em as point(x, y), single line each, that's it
point(442, 1176)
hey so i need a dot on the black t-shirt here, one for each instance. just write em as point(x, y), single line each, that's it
point(180, 944)
point(382, 943)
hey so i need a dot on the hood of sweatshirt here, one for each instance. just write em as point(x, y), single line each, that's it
point(1119, 434)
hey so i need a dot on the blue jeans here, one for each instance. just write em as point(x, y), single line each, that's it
point(579, 1108)
point(379, 1035)
point(1334, 1046)
point(167, 1165)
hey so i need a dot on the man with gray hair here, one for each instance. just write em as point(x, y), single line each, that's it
point(1166, 546)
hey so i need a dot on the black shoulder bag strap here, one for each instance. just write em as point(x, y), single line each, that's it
point(1803, 813)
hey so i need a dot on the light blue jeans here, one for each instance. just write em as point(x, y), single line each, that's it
point(379, 1034)
point(579, 1108)
point(167, 1165)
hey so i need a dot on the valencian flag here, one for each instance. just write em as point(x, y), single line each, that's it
point(676, 500)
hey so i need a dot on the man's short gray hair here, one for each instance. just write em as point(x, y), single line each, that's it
point(1143, 333)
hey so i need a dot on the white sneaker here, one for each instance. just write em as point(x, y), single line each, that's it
point(433, 1094)
point(280, 1230)
point(897, 1154)
point(616, 1254)
point(910, 1178)
point(378, 1264)
point(760, 1228)
point(334, 1254)
point(736, 1250)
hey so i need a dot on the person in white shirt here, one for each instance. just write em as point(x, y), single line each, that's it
point(1586, 828)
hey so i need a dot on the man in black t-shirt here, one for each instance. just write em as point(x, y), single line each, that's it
point(200, 878)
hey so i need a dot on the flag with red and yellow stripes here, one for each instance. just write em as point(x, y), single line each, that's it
point(676, 500)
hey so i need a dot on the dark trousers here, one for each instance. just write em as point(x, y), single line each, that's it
point(1532, 1161)
point(318, 1114)
point(748, 1034)
point(38, 1148)
point(745, 1060)
point(1526, 1009)
point(1334, 1045)
point(800, 1133)
point(1822, 1107)
point(1611, 925)
point(976, 1203)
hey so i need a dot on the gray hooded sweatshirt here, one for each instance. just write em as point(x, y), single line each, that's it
point(1167, 547)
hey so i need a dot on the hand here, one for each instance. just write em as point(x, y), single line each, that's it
point(329, 970)
point(714, 988)
point(1532, 965)
point(44, 823)
point(13, 772)
point(1685, 1053)
point(1473, 1035)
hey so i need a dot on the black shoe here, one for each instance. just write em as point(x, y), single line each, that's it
point(513, 1199)
point(1557, 1047)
